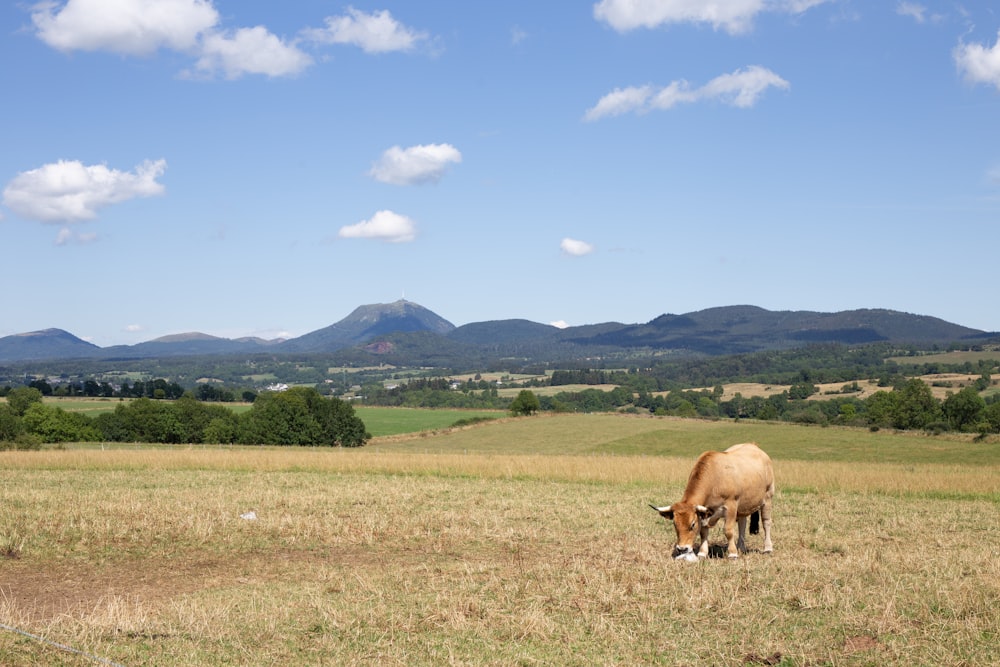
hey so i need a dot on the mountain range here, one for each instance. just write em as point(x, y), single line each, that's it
point(407, 332)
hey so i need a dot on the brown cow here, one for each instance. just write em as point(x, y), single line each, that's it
point(730, 485)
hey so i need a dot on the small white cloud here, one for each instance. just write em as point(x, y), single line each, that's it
point(134, 328)
point(377, 32)
point(559, 324)
point(132, 27)
point(732, 16)
point(915, 11)
point(67, 236)
point(576, 248)
point(741, 89)
point(68, 191)
point(620, 101)
point(383, 226)
point(250, 51)
point(415, 165)
point(517, 35)
point(979, 63)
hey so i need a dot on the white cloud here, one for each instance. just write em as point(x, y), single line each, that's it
point(142, 27)
point(415, 165)
point(133, 27)
point(383, 226)
point(979, 63)
point(68, 191)
point(134, 328)
point(67, 235)
point(559, 324)
point(740, 89)
point(191, 27)
point(733, 16)
point(620, 101)
point(576, 248)
point(377, 32)
point(913, 10)
point(743, 87)
point(250, 51)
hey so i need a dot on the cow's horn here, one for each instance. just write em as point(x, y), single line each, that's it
point(701, 508)
point(661, 509)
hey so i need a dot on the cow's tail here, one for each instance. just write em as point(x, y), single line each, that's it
point(755, 523)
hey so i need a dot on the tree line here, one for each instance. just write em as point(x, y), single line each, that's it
point(298, 416)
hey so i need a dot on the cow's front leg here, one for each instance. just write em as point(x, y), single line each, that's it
point(707, 521)
point(731, 533)
point(703, 549)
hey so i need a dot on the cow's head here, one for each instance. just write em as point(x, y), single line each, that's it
point(688, 521)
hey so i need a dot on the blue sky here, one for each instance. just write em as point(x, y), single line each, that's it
point(259, 168)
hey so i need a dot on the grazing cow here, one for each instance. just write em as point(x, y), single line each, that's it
point(730, 485)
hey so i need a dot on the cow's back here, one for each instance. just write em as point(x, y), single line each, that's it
point(742, 472)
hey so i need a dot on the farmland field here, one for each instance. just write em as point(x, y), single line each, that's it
point(394, 421)
point(518, 541)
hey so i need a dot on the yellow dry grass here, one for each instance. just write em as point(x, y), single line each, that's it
point(425, 552)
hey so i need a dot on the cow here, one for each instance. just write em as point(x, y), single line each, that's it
point(730, 485)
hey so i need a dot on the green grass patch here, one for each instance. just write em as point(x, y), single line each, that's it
point(954, 357)
point(86, 405)
point(626, 435)
point(383, 421)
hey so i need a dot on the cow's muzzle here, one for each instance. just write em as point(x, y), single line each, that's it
point(683, 553)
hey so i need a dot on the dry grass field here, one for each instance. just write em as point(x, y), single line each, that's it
point(940, 385)
point(452, 550)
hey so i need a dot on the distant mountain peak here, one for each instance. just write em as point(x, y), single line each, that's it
point(45, 344)
point(368, 322)
point(399, 312)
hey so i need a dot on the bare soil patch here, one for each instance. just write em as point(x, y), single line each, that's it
point(46, 592)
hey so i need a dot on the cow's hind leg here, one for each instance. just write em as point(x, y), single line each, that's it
point(765, 516)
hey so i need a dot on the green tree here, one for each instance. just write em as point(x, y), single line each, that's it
point(10, 424)
point(221, 431)
point(525, 403)
point(802, 390)
point(21, 398)
point(992, 416)
point(142, 420)
point(193, 417)
point(880, 407)
point(301, 416)
point(916, 406)
point(964, 409)
point(53, 424)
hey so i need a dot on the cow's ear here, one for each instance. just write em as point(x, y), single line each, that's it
point(703, 512)
point(666, 512)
